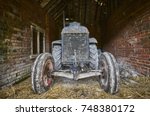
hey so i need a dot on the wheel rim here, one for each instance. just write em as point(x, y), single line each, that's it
point(47, 77)
point(104, 76)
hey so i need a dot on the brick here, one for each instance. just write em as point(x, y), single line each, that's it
point(132, 41)
point(18, 63)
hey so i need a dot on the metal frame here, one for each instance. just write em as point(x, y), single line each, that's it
point(69, 75)
point(34, 26)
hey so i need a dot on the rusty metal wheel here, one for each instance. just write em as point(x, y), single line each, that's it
point(42, 69)
point(47, 79)
point(109, 80)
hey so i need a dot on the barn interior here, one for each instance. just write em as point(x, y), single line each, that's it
point(28, 27)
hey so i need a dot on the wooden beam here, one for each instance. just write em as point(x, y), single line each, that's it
point(54, 5)
point(85, 10)
point(56, 9)
point(59, 13)
point(49, 5)
point(44, 2)
point(96, 12)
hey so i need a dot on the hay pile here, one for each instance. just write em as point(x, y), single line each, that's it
point(82, 89)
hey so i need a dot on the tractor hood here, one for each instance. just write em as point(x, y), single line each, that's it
point(75, 28)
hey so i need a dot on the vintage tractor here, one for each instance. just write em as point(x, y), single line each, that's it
point(75, 56)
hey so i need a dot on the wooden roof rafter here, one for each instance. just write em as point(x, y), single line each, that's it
point(54, 5)
point(49, 5)
point(57, 9)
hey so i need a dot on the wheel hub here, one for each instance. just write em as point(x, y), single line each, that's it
point(47, 78)
point(104, 73)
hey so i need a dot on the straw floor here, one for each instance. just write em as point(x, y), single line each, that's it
point(133, 88)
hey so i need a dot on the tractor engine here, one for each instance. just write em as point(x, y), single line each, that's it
point(75, 47)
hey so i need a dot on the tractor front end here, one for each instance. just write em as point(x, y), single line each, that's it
point(75, 56)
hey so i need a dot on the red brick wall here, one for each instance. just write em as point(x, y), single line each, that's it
point(129, 35)
point(15, 38)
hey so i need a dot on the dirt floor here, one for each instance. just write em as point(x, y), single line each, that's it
point(134, 88)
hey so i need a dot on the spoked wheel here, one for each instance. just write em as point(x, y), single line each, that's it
point(109, 80)
point(42, 69)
